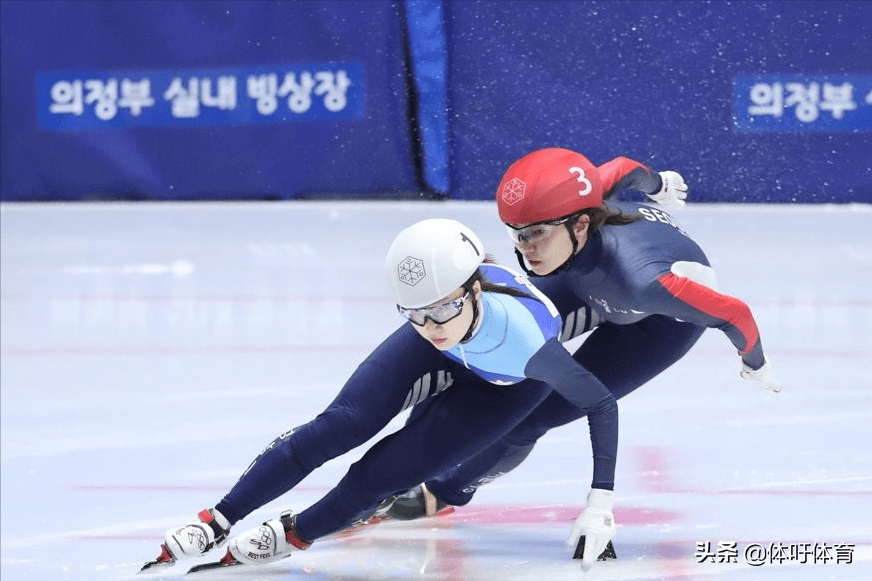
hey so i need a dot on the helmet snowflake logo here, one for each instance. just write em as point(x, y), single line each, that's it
point(513, 191)
point(411, 270)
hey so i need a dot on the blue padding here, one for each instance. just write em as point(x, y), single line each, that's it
point(210, 129)
point(672, 84)
point(429, 65)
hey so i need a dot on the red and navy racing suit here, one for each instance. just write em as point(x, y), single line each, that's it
point(638, 279)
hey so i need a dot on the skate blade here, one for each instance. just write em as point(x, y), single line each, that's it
point(226, 561)
point(165, 559)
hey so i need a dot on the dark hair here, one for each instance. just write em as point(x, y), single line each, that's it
point(487, 286)
point(606, 215)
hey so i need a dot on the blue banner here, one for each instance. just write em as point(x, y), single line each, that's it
point(80, 100)
point(188, 100)
point(797, 103)
point(181, 99)
point(750, 101)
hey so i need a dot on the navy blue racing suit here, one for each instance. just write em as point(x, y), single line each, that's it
point(652, 291)
point(465, 400)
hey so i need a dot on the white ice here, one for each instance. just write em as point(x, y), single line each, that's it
point(149, 351)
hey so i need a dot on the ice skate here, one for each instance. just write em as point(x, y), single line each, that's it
point(273, 540)
point(419, 502)
point(192, 540)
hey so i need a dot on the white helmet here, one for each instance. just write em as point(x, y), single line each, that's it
point(431, 259)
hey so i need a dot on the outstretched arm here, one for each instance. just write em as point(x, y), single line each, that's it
point(553, 365)
point(667, 188)
point(595, 527)
point(699, 303)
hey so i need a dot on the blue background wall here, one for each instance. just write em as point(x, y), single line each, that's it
point(654, 81)
point(175, 160)
point(443, 96)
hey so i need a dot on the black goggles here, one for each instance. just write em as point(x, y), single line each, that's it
point(439, 314)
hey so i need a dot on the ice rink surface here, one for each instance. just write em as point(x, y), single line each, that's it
point(149, 352)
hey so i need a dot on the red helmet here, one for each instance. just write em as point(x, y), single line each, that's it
point(546, 185)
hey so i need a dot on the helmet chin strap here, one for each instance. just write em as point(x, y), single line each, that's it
point(472, 324)
point(475, 316)
point(523, 262)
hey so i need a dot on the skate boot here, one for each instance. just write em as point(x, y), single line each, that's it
point(417, 503)
point(192, 540)
point(199, 537)
point(273, 540)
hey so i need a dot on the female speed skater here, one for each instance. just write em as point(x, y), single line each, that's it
point(478, 353)
point(625, 268)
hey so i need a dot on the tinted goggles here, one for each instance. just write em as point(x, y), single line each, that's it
point(534, 233)
point(439, 314)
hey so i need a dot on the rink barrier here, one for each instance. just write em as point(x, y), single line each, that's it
point(424, 99)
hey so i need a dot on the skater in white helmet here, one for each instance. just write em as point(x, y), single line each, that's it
point(478, 353)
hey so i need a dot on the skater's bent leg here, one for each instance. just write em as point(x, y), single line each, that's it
point(626, 357)
point(460, 423)
point(458, 485)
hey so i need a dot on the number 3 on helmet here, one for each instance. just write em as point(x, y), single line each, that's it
point(546, 185)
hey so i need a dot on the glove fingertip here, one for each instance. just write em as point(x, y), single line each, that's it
point(579, 549)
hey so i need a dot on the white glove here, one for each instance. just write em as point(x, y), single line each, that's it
point(673, 192)
point(763, 376)
point(596, 524)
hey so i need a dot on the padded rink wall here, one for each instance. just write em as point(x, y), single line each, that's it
point(189, 100)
